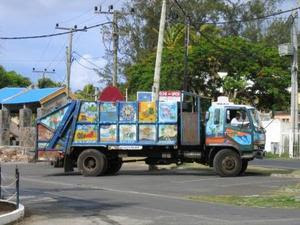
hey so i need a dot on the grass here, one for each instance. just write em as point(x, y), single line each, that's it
point(285, 197)
point(271, 155)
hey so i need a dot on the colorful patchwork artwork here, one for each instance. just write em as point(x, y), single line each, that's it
point(44, 134)
point(42, 145)
point(108, 112)
point(147, 112)
point(147, 132)
point(54, 119)
point(127, 133)
point(128, 112)
point(167, 133)
point(88, 112)
point(241, 138)
point(85, 134)
point(108, 133)
point(168, 112)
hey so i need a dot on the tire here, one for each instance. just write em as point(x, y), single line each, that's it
point(244, 166)
point(227, 163)
point(92, 163)
point(113, 166)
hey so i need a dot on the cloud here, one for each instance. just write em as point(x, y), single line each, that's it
point(81, 75)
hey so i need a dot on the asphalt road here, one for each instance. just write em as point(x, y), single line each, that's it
point(137, 196)
point(277, 163)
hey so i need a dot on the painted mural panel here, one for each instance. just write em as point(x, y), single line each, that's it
point(54, 119)
point(86, 133)
point(147, 112)
point(147, 132)
point(127, 133)
point(167, 133)
point(240, 137)
point(108, 133)
point(44, 134)
point(128, 112)
point(88, 112)
point(42, 145)
point(168, 112)
point(108, 112)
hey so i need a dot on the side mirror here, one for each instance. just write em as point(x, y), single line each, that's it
point(206, 116)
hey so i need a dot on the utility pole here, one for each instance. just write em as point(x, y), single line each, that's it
point(155, 87)
point(69, 52)
point(186, 54)
point(115, 36)
point(294, 82)
point(43, 72)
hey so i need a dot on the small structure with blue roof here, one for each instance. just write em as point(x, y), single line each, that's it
point(20, 105)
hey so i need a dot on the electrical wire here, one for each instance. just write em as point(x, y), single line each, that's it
point(54, 34)
point(76, 53)
point(86, 67)
point(240, 21)
point(76, 17)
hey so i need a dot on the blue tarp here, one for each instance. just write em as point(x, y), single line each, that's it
point(23, 95)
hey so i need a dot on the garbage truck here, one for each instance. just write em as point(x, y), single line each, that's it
point(98, 137)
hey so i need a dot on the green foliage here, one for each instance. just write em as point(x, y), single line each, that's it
point(256, 73)
point(47, 82)
point(12, 79)
point(88, 93)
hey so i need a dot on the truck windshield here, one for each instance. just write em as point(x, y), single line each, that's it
point(255, 118)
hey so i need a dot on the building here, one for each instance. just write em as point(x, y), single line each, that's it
point(20, 107)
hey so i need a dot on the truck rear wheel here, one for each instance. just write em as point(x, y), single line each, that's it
point(227, 163)
point(113, 166)
point(91, 163)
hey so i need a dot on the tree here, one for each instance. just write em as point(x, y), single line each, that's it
point(88, 93)
point(47, 83)
point(256, 73)
point(12, 79)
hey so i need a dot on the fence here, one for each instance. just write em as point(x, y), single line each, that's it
point(10, 187)
point(285, 145)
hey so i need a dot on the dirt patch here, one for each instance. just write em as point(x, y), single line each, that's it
point(6, 207)
point(14, 154)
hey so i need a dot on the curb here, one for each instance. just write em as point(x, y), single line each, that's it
point(285, 175)
point(13, 216)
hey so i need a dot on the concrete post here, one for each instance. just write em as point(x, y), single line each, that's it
point(25, 116)
point(27, 130)
point(4, 127)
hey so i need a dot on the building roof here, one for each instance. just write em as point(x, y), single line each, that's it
point(23, 95)
point(9, 92)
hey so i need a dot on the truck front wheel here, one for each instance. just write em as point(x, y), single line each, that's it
point(227, 163)
point(244, 166)
point(91, 163)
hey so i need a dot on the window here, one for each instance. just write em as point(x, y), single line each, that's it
point(217, 116)
point(237, 118)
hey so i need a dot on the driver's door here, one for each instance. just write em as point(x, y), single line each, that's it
point(239, 133)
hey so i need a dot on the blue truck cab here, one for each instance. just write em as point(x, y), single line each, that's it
point(98, 137)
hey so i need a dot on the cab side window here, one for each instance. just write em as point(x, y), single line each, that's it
point(237, 118)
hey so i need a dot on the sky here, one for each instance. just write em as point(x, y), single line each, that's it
point(35, 17)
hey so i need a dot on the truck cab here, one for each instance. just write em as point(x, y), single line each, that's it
point(236, 128)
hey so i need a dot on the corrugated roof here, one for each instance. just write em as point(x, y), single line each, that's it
point(30, 96)
point(9, 92)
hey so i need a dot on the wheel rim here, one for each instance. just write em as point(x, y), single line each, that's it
point(89, 163)
point(228, 163)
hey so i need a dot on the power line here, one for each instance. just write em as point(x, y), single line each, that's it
point(86, 60)
point(52, 35)
point(256, 18)
point(86, 67)
point(242, 20)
